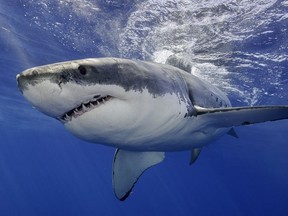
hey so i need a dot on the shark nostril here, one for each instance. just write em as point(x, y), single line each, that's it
point(34, 73)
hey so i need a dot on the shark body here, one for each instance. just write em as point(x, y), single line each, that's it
point(143, 109)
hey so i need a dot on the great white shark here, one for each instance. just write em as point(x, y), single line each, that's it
point(142, 109)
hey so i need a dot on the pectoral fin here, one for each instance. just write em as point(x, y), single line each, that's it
point(236, 116)
point(128, 166)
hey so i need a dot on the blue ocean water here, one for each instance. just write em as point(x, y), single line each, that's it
point(240, 46)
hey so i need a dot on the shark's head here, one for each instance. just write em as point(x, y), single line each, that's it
point(95, 98)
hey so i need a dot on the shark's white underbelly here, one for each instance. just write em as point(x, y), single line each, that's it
point(176, 134)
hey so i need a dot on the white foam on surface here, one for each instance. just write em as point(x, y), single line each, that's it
point(210, 34)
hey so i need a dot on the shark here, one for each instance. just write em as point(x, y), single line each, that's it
point(141, 108)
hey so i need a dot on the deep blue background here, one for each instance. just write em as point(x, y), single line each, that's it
point(44, 170)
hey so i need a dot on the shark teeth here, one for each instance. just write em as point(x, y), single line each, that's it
point(84, 107)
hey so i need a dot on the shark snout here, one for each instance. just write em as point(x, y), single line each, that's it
point(20, 80)
point(24, 79)
point(29, 77)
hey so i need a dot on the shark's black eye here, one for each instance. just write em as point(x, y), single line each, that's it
point(82, 70)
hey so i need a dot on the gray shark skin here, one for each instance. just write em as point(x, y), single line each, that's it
point(143, 109)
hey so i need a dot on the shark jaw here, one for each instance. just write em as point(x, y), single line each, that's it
point(84, 107)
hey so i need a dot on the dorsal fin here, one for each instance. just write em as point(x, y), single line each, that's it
point(179, 62)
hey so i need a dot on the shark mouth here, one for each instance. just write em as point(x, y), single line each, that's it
point(84, 107)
